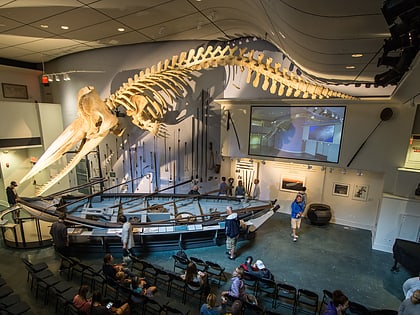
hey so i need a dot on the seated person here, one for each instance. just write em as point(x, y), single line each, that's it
point(410, 306)
point(237, 288)
point(210, 308)
point(110, 270)
point(193, 276)
point(248, 261)
point(411, 285)
point(261, 272)
point(99, 309)
point(338, 305)
point(81, 302)
point(140, 287)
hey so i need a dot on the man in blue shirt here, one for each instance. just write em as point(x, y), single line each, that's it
point(296, 216)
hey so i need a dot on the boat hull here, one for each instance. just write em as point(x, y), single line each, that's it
point(160, 222)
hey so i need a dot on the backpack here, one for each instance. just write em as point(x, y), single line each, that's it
point(232, 227)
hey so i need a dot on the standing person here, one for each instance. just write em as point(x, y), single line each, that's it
point(256, 192)
point(127, 237)
point(194, 190)
point(338, 305)
point(240, 189)
point(59, 235)
point(11, 193)
point(296, 216)
point(232, 225)
point(223, 187)
point(11, 199)
point(410, 306)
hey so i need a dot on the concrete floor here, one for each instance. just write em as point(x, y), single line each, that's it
point(330, 257)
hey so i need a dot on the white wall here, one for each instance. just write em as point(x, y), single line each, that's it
point(399, 218)
point(20, 76)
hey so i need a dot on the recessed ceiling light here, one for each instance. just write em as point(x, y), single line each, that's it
point(350, 67)
point(357, 55)
point(282, 35)
point(44, 26)
point(121, 29)
point(64, 27)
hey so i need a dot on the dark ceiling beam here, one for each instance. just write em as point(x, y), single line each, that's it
point(20, 64)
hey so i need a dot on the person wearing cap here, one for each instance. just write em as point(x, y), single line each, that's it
point(259, 270)
point(410, 306)
point(11, 199)
point(11, 193)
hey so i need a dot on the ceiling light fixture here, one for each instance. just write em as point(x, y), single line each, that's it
point(121, 29)
point(350, 67)
point(64, 27)
point(357, 55)
point(65, 75)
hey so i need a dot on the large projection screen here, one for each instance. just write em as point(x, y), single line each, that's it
point(310, 133)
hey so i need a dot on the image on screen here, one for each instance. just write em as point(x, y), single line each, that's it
point(310, 133)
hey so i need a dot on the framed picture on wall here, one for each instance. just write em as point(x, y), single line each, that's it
point(360, 192)
point(14, 91)
point(292, 183)
point(341, 189)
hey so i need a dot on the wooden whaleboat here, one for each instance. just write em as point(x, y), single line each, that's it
point(161, 220)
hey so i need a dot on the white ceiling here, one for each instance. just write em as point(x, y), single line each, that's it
point(318, 36)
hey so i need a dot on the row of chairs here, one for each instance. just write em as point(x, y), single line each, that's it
point(282, 295)
point(10, 303)
point(48, 286)
point(213, 270)
point(168, 280)
point(299, 301)
point(165, 280)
